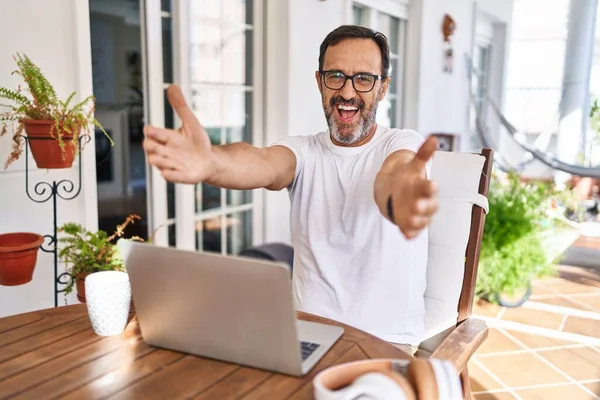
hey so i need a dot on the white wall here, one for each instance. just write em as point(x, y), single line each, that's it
point(55, 35)
point(439, 101)
point(434, 101)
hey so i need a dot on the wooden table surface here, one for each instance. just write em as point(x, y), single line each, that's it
point(54, 353)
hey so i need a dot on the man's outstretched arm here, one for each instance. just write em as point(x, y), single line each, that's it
point(402, 191)
point(186, 155)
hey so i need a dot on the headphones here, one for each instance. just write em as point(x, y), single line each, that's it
point(389, 379)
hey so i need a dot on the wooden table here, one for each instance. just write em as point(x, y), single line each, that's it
point(54, 353)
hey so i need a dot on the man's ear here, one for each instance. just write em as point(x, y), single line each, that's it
point(385, 83)
point(319, 83)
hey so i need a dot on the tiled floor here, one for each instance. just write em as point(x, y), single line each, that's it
point(549, 348)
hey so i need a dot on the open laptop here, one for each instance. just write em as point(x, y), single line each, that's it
point(233, 309)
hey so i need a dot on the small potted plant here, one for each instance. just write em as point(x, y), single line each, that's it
point(53, 127)
point(88, 252)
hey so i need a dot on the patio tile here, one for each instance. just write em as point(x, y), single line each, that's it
point(570, 392)
point(481, 381)
point(484, 308)
point(537, 341)
point(533, 317)
point(497, 342)
point(594, 387)
point(494, 396)
point(567, 287)
point(539, 289)
point(588, 242)
point(593, 302)
point(563, 302)
point(582, 326)
point(580, 363)
point(521, 370)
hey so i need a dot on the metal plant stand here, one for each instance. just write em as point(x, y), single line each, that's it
point(44, 191)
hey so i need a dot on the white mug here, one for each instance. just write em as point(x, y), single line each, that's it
point(108, 298)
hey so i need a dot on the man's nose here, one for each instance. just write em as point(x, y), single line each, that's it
point(347, 91)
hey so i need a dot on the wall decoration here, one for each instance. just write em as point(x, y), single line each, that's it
point(448, 28)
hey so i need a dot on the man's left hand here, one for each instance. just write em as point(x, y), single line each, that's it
point(411, 200)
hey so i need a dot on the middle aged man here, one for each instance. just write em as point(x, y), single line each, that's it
point(360, 198)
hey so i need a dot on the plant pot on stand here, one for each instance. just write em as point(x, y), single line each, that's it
point(45, 146)
point(18, 256)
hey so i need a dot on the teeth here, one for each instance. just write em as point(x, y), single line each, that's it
point(347, 108)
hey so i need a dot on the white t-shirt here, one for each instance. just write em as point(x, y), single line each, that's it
point(350, 263)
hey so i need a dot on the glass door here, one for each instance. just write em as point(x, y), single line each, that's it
point(216, 58)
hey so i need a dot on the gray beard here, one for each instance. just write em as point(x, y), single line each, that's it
point(340, 131)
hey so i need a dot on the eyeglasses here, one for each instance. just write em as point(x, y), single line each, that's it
point(363, 82)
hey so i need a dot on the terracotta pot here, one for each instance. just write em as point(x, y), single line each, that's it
point(44, 145)
point(18, 256)
point(80, 285)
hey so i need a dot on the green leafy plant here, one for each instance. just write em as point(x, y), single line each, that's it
point(512, 251)
point(39, 101)
point(595, 117)
point(88, 252)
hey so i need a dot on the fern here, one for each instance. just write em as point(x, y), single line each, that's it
point(42, 104)
point(88, 252)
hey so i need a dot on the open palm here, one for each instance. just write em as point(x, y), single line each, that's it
point(182, 155)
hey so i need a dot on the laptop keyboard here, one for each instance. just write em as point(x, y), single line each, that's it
point(307, 349)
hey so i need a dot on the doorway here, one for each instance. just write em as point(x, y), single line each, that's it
point(115, 30)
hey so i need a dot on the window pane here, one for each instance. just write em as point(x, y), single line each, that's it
point(239, 231)
point(237, 11)
point(205, 52)
point(208, 234)
point(167, 39)
point(237, 56)
point(358, 15)
point(205, 9)
point(386, 111)
point(390, 27)
point(396, 75)
point(207, 104)
point(165, 5)
point(169, 113)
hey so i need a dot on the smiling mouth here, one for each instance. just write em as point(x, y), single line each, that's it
point(346, 113)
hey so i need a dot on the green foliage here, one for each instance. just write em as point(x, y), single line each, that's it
point(88, 252)
point(595, 117)
point(39, 101)
point(512, 252)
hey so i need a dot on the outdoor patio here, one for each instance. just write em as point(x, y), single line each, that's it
point(549, 348)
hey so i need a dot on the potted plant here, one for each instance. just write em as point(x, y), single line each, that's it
point(524, 218)
point(18, 256)
point(54, 127)
point(88, 252)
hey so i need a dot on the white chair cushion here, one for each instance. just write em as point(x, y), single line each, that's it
point(457, 176)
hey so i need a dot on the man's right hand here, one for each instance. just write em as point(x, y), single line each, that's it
point(183, 155)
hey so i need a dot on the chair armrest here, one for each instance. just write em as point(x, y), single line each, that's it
point(462, 342)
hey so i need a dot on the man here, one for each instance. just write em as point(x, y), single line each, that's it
point(360, 198)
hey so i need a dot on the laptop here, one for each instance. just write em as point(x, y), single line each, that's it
point(228, 308)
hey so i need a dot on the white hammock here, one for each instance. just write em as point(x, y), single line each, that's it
point(519, 138)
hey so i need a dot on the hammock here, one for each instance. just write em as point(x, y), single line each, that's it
point(535, 153)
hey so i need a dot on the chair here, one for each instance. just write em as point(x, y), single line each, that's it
point(271, 251)
point(455, 235)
